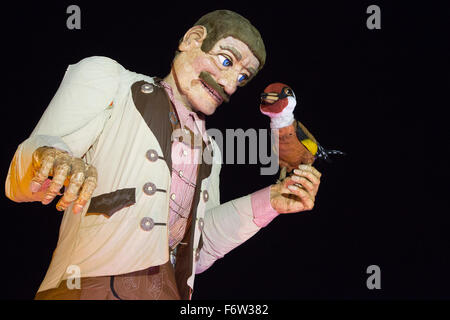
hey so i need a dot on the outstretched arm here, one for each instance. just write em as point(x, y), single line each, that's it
point(228, 225)
point(67, 129)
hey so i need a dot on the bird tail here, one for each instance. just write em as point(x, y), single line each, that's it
point(324, 154)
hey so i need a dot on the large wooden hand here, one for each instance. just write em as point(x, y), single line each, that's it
point(297, 192)
point(79, 178)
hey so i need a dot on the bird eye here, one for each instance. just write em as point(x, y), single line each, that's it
point(225, 61)
point(288, 91)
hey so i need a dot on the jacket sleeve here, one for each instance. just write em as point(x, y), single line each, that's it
point(72, 121)
point(226, 226)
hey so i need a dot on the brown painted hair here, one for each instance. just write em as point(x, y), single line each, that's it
point(224, 23)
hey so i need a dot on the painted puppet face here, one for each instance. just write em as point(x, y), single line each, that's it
point(205, 80)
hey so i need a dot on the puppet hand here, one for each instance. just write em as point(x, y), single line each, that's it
point(297, 192)
point(65, 170)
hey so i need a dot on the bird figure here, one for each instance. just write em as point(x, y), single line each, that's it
point(296, 144)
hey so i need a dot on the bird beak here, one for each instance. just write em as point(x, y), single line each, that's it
point(269, 97)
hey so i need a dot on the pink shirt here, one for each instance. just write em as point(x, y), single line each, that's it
point(184, 176)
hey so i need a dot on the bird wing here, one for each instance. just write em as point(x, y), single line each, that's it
point(306, 138)
point(303, 133)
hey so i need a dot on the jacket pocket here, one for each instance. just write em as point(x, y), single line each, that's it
point(109, 203)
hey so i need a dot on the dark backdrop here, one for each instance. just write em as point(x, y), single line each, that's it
point(370, 93)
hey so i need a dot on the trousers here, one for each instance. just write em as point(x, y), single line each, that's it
point(154, 283)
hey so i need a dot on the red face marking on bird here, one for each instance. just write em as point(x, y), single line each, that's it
point(275, 99)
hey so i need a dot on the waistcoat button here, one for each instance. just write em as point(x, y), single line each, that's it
point(152, 155)
point(197, 254)
point(205, 195)
point(149, 188)
point(147, 223)
point(201, 223)
point(147, 88)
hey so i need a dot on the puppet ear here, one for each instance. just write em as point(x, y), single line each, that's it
point(193, 38)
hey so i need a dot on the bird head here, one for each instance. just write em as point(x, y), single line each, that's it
point(277, 100)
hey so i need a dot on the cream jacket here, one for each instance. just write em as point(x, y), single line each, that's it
point(114, 138)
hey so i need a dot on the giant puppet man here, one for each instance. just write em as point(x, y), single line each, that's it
point(142, 212)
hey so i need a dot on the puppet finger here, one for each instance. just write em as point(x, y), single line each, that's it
point(303, 182)
point(90, 183)
point(43, 160)
point(310, 168)
point(304, 196)
point(308, 175)
point(75, 183)
point(60, 172)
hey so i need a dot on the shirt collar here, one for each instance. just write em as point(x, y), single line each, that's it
point(190, 119)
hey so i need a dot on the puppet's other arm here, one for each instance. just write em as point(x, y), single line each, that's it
point(70, 124)
point(228, 225)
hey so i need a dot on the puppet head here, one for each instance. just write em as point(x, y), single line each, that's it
point(219, 53)
point(277, 100)
point(221, 24)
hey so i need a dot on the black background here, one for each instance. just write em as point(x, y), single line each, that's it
point(378, 95)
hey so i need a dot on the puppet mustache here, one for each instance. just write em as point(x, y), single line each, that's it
point(206, 76)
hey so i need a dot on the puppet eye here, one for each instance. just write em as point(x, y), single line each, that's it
point(242, 77)
point(288, 91)
point(225, 61)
